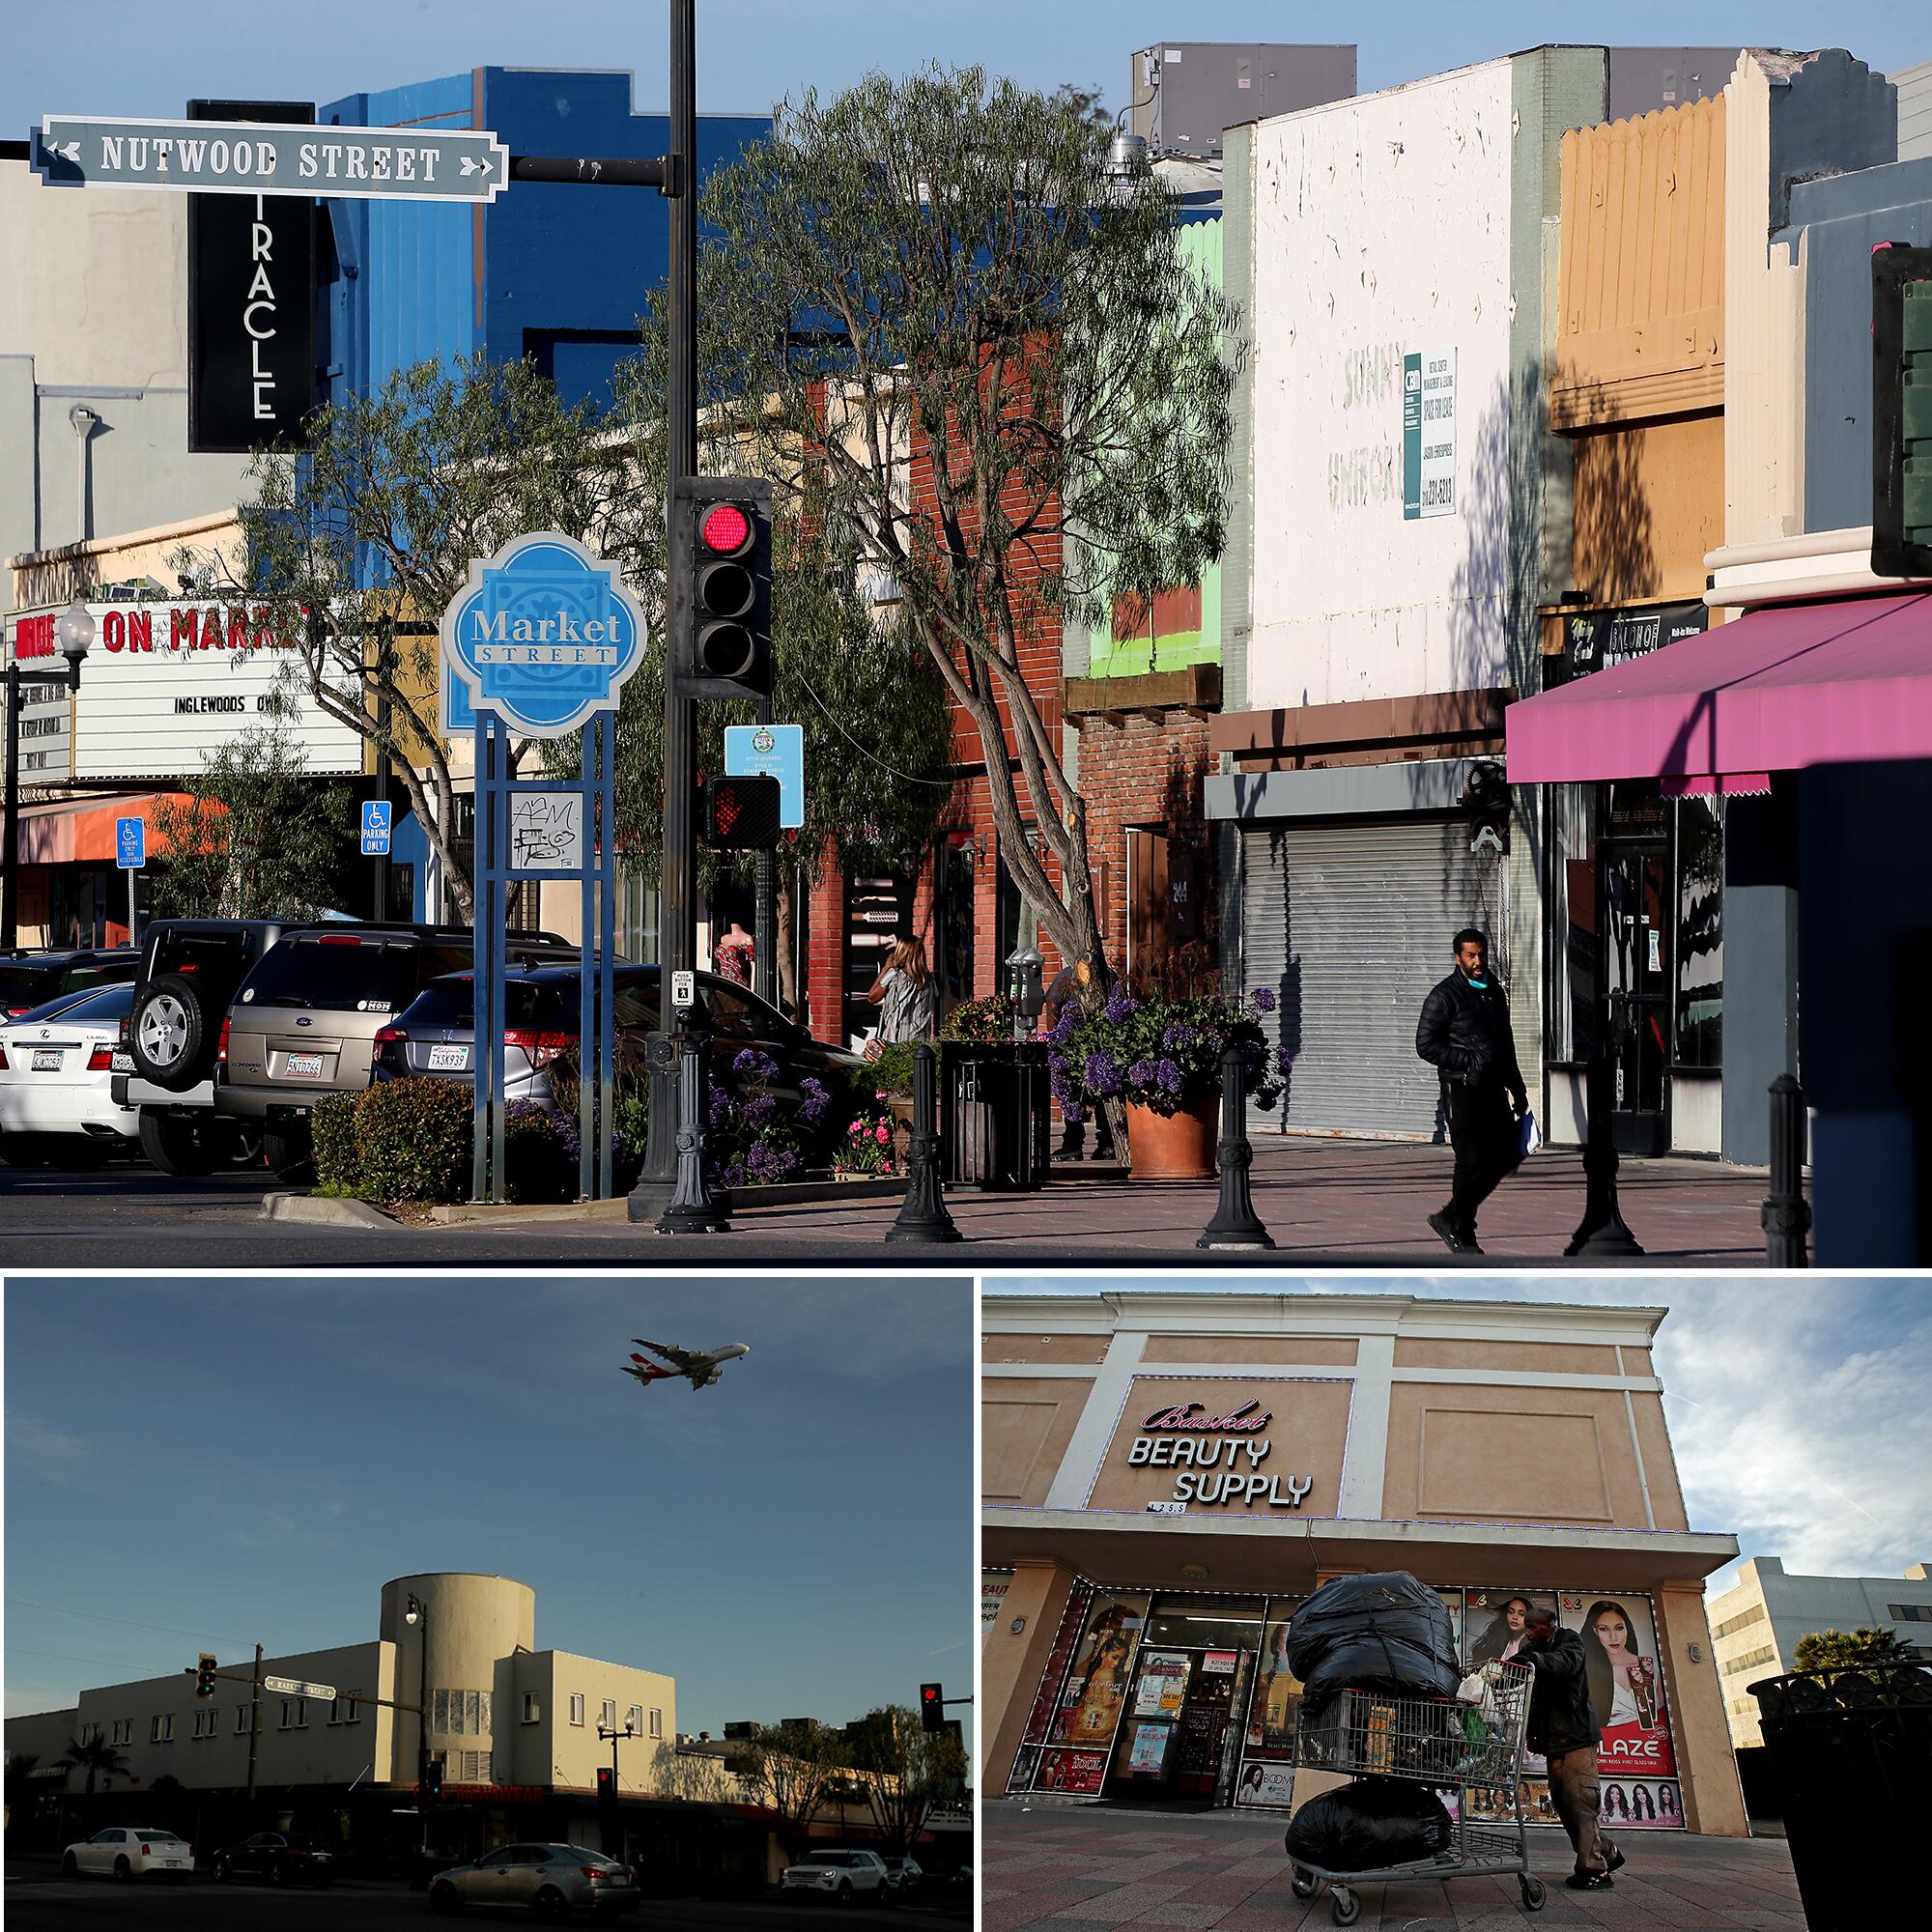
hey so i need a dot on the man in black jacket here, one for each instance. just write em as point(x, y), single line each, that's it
point(1564, 1728)
point(1464, 1035)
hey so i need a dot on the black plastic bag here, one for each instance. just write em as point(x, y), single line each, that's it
point(1384, 1632)
point(1368, 1824)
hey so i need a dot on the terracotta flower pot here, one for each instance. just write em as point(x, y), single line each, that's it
point(1178, 1147)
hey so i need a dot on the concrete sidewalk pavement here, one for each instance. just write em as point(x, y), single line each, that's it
point(1090, 1868)
point(1329, 1202)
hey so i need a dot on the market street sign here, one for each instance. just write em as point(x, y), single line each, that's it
point(544, 634)
point(287, 1687)
point(270, 157)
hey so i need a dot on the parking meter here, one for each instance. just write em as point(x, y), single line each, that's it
point(1026, 989)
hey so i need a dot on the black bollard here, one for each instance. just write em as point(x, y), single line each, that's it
point(1235, 1224)
point(924, 1216)
point(1602, 1231)
point(1786, 1217)
point(691, 1209)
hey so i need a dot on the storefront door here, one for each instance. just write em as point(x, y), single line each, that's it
point(1176, 1742)
point(1636, 947)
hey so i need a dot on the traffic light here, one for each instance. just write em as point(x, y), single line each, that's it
point(204, 1676)
point(1901, 412)
point(607, 1784)
point(721, 589)
point(932, 1709)
point(741, 814)
point(432, 1777)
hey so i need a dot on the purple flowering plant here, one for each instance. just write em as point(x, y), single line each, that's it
point(1163, 1050)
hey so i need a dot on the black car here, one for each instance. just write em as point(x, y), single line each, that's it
point(277, 1858)
point(30, 979)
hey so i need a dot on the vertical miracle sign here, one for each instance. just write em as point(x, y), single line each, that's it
point(251, 304)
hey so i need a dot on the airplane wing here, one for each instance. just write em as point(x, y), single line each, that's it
point(684, 1358)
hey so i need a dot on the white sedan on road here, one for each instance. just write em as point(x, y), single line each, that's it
point(55, 1064)
point(127, 1851)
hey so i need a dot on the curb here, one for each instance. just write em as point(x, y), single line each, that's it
point(318, 1211)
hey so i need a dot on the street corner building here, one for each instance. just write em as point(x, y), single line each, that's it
point(1166, 1477)
point(513, 1730)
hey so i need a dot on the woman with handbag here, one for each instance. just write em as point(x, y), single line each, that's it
point(906, 996)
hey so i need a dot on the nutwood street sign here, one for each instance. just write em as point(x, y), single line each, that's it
point(268, 157)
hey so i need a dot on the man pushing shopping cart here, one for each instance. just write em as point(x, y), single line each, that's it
point(1564, 1727)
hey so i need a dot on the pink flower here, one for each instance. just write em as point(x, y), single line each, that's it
point(884, 1133)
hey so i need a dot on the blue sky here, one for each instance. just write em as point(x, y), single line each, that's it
point(1797, 1411)
point(135, 57)
point(203, 1464)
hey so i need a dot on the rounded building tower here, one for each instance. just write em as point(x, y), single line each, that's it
point(454, 1631)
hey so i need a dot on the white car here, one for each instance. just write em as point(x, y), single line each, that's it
point(903, 1874)
point(55, 1064)
point(129, 1852)
point(837, 1875)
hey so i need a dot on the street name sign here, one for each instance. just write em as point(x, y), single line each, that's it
point(270, 157)
point(770, 751)
point(287, 1687)
point(130, 843)
point(544, 634)
point(375, 828)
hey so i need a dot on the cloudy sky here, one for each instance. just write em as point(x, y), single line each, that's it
point(1798, 1410)
point(195, 1466)
point(135, 57)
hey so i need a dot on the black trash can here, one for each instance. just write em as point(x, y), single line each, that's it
point(995, 1118)
point(1851, 1751)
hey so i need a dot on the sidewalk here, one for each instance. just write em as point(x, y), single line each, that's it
point(1088, 1869)
point(1343, 1203)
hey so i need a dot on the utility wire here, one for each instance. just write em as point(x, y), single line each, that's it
point(945, 784)
point(96, 1616)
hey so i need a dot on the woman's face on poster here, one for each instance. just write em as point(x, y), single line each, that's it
point(1515, 1613)
point(1613, 1631)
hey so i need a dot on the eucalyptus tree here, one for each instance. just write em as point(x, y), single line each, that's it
point(965, 344)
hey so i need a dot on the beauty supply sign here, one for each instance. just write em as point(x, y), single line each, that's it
point(167, 685)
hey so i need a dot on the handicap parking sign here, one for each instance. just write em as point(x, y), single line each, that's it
point(375, 828)
point(130, 843)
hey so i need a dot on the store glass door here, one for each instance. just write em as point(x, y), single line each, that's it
point(1177, 1741)
point(1636, 945)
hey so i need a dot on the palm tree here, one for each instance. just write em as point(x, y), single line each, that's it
point(94, 1756)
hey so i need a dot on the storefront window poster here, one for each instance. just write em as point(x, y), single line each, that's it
point(1277, 1690)
point(1096, 1685)
point(1046, 1703)
point(1267, 1784)
point(1146, 1750)
point(1161, 1689)
point(1626, 1692)
point(1492, 1624)
point(1080, 1773)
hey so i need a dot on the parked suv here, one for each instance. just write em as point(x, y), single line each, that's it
point(839, 1875)
point(188, 970)
point(303, 1023)
point(30, 979)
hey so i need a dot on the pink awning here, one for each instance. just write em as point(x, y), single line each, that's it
point(1847, 681)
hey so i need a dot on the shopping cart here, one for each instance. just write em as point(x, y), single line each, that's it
point(1472, 1751)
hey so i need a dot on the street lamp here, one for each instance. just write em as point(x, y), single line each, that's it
point(417, 1619)
point(74, 629)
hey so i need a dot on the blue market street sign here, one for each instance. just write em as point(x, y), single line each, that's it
point(770, 751)
point(375, 828)
point(130, 843)
point(270, 157)
point(544, 634)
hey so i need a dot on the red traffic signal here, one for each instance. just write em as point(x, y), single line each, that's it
point(725, 529)
point(741, 814)
point(607, 1782)
point(932, 1708)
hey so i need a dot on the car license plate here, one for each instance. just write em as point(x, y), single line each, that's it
point(302, 1065)
point(448, 1059)
point(48, 1059)
point(122, 1062)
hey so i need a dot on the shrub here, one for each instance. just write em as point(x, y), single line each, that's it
point(539, 1164)
point(412, 1141)
point(1163, 1052)
point(891, 1072)
point(338, 1167)
point(989, 1020)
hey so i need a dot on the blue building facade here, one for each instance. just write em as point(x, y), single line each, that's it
point(557, 272)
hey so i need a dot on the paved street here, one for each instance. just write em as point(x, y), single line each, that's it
point(1329, 1204)
point(1083, 1868)
point(36, 1897)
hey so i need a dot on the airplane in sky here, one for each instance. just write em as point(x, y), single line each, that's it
point(699, 1366)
